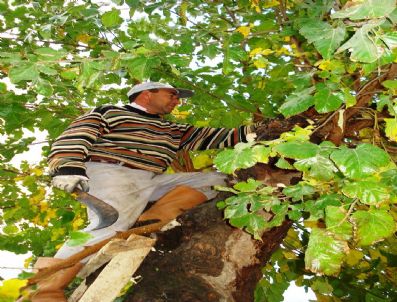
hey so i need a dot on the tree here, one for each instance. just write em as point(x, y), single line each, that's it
point(326, 66)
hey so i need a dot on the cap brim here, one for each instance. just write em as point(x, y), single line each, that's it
point(184, 93)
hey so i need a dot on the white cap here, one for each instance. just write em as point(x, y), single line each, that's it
point(182, 93)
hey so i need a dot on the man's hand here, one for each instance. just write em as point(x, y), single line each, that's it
point(70, 182)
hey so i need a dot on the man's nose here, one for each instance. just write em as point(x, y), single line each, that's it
point(176, 100)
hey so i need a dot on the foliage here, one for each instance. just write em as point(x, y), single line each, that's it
point(9, 290)
point(243, 58)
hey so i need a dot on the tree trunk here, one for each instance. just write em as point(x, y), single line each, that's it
point(205, 259)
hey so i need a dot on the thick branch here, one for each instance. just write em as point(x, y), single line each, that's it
point(366, 93)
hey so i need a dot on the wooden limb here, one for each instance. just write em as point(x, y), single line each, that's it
point(366, 93)
point(354, 127)
point(89, 250)
point(337, 130)
point(116, 274)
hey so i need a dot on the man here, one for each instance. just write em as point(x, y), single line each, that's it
point(120, 153)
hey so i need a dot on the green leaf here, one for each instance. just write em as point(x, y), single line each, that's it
point(111, 18)
point(392, 84)
point(296, 149)
point(69, 74)
point(361, 46)
point(283, 164)
point(3, 87)
point(318, 167)
point(373, 226)
point(227, 161)
point(366, 9)
point(78, 238)
point(47, 70)
point(23, 72)
point(326, 39)
point(50, 54)
point(44, 87)
point(390, 39)
point(249, 186)
point(261, 153)
point(253, 224)
point(349, 99)
point(325, 253)
point(238, 210)
point(271, 291)
point(368, 192)
point(322, 287)
point(297, 102)
point(337, 221)
point(227, 66)
point(10, 229)
point(141, 67)
point(299, 191)
point(326, 100)
point(88, 76)
point(363, 161)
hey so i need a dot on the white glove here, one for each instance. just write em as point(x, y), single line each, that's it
point(70, 182)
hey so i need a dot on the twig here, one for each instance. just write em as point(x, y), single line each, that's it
point(330, 117)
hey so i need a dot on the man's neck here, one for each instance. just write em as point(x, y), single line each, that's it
point(137, 106)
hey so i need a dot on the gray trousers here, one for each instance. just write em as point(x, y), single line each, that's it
point(129, 191)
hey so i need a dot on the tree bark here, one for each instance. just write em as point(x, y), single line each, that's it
point(205, 259)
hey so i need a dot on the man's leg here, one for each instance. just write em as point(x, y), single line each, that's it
point(125, 189)
point(183, 191)
point(128, 191)
point(173, 204)
point(52, 288)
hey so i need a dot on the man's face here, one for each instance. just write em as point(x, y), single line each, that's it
point(163, 101)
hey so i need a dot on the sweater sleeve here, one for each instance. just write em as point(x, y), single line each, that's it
point(213, 138)
point(69, 152)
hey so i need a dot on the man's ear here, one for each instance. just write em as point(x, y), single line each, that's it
point(145, 96)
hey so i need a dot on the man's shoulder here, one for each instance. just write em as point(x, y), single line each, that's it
point(106, 108)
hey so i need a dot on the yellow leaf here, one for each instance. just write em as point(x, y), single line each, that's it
point(37, 171)
point(354, 257)
point(202, 124)
point(244, 30)
point(77, 223)
point(38, 196)
point(180, 114)
point(266, 52)
point(169, 170)
point(325, 65)
point(10, 288)
point(56, 233)
point(289, 254)
point(362, 276)
point(310, 224)
point(202, 160)
point(27, 262)
point(255, 51)
point(391, 128)
point(271, 3)
point(84, 38)
point(283, 50)
point(260, 63)
point(255, 4)
point(298, 133)
point(375, 254)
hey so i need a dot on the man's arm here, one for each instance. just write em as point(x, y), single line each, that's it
point(214, 138)
point(69, 152)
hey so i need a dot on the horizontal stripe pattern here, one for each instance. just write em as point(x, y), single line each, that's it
point(139, 139)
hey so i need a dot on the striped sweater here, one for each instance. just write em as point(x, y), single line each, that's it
point(136, 138)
